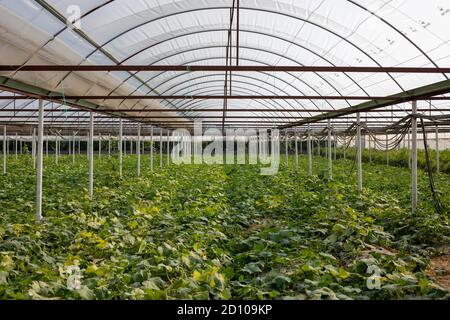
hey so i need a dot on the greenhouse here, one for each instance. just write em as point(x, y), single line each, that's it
point(224, 150)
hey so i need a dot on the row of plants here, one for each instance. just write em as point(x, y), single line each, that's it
point(218, 232)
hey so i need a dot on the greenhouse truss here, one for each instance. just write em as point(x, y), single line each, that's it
point(333, 80)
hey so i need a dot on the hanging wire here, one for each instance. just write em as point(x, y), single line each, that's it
point(436, 199)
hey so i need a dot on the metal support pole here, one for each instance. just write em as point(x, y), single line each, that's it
point(4, 149)
point(120, 147)
point(286, 147)
point(414, 158)
point(56, 149)
point(109, 146)
point(99, 146)
point(15, 146)
point(387, 150)
point(151, 148)
point(359, 151)
point(329, 154)
point(91, 155)
point(334, 147)
point(40, 147)
point(73, 147)
point(308, 146)
point(437, 149)
point(370, 150)
point(131, 145)
point(160, 148)
point(33, 148)
point(296, 150)
point(168, 147)
point(409, 149)
point(138, 150)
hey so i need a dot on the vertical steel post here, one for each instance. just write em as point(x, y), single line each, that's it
point(160, 148)
point(168, 147)
point(286, 139)
point(33, 148)
point(409, 149)
point(40, 147)
point(296, 150)
point(73, 147)
point(91, 155)
point(329, 154)
point(15, 146)
point(414, 158)
point(359, 151)
point(4, 149)
point(120, 147)
point(437, 148)
point(151, 148)
point(138, 150)
point(308, 146)
point(99, 146)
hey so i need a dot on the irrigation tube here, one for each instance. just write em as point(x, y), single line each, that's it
point(40, 147)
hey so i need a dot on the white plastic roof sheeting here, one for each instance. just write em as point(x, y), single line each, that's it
point(386, 33)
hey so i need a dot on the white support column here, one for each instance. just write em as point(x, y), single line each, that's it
point(168, 148)
point(437, 149)
point(138, 150)
point(56, 149)
point(40, 152)
point(409, 149)
point(73, 147)
point(131, 145)
point(414, 158)
point(301, 146)
point(4, 149)
point(109, 145)
point(318, 146)
point(370, 150)
point(99, 146)
point(296, 150)
point(308, 146)
point(151, 148)
point(15, 146)
point(160, 148)
point(120, 146)
point(33, 148)
point(70, 146)
point(329, 153)
point(335, 147)
point(359, 151)
point(91, 155)
point(286, 140)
